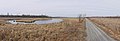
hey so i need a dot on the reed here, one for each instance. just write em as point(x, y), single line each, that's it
point(111, 26)
point(68, 30)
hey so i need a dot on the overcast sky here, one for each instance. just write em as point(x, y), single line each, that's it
point(61, 7)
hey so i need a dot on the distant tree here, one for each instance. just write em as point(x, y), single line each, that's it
point(7, 13)
point(82, 17)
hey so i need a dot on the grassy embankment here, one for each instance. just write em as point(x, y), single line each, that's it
point(30, 20)
point(68, 30)
point(110, 25)
point(26, 20)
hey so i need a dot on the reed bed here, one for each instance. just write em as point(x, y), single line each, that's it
point(68, 30)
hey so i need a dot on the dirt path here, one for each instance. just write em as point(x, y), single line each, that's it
point(94, 33)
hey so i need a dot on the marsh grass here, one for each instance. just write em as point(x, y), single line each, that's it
point(30, 20)
point(111, 26)
point(68, 30)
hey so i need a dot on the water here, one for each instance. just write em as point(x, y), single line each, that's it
point(37, 22)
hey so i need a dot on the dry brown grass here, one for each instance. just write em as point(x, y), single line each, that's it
point(111, 26)
point(29, 20)
point(68, 30)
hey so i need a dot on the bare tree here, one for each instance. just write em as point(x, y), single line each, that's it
point(82, 17)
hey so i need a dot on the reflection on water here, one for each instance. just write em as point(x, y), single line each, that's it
point(37, 22)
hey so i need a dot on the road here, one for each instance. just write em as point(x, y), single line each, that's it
point(94, 33)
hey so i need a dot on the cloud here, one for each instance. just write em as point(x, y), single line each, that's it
point(60, 7)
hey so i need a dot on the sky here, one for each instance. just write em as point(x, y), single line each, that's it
point(70, 8)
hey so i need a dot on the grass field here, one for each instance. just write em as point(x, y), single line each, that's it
point(110, 26)
point(68, 30)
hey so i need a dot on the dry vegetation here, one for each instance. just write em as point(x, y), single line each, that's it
point(68, 30)
point(27, 20)
point(111, 26)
